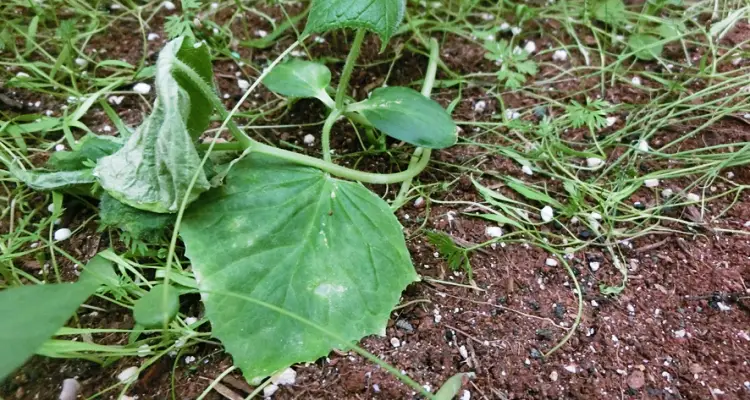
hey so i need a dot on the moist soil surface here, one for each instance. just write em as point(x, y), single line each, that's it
point(679, 330)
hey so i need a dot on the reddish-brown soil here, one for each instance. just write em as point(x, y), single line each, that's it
point(679, 330)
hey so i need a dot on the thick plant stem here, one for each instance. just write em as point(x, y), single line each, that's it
point(419, 153)
point(346, 74)
point(325, 138)
point(254, 146)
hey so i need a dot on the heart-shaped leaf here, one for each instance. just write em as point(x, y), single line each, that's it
point(157, 307)
point(380, 16)
point(407, 115)
point(646, 47)
point(327, 250)
point(33, 313)
point(297, 78)
point(154, 169)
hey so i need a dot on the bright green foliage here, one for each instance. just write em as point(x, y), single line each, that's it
point(456, 256)
point(155, 167)
point(593, 114)
point(610, 12)
point(646, 47)
point(157, 308)
point(139, 224)
point(181, 25)
point(293, 237)
point(407, 115)
point(31, 314)
point(515, 64)
point(380, 16)
point(297, 78)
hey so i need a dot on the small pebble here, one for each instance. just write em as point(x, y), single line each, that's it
point(70, 388)
point(651, 183)
point(152, 36)
point(287, 377)
point(571, 368)
point(667, 193)
point(190, 320)
point(59, 147)
point(636, 81)
point(62, 234)
point(512, 114)
point(730, 175)
point(692, 197)
point(643, 146)
point(269, 390)
point(261, 33)
point(463, 352)
point(308, 139)
point(530, 47)
point(466, 395)
point(168, 5)
point(395, 342)
point(81, 62)
point(594, 162)
point(611, 121)
point(127, 375)
point(547, 214)
point(480, 106)
point(493, 231)
point(551, 262)
point(594, 266)
point(243, 84)
point(553, 376)
point(142, 88)
point(527, 170)
point(560, 55)
point(515, 30)
point(679, 334)
point(22, 75)
point(405, 325)
point(116, 100)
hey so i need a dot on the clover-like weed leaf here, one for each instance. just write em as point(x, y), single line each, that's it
point(297, 78)
point(672, 29)
point(405, 114)
point(157, 307)
point(293, 237)
point(380, 16)
point(33, 313)
point(646, 47)
point(154, 169)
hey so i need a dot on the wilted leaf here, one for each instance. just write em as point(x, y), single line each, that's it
point(155, 167)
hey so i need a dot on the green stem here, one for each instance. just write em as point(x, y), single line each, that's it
point(326, 136)
point(249, 143)
point(346, 74)
point(429, 82)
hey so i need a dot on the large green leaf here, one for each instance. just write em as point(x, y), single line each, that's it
point(297, 78)
point(407, 115)
point(328, 250)
point(31, 314)
point(153, 170)
point(380, 16)
point(645, 47)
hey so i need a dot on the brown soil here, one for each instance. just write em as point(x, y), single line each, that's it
point(680, 329)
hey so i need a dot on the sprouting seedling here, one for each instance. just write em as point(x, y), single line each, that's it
point(515, 64)
point(456, 256)
point(282, 227)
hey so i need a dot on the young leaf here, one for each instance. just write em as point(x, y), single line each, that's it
point(327, 250)
point(456, 256)
point(299, 78)
point(158, 307)
point(405, 114)
point(153, 170)
point(379, 16)
point(610, 12)
point(33, 313)
point(646, 47)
